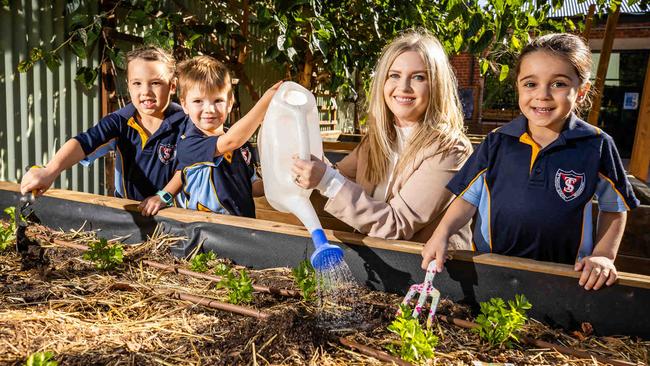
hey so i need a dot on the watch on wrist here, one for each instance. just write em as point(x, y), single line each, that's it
point(166, 197)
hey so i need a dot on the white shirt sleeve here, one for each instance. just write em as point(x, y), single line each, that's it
point(331, 182)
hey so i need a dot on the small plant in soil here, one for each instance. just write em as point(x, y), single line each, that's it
point(104, 255)
point(41, 359)
point(8, 233)
point(200, 261)
point(240, 287)
point(416, 344)
point(305, 278)
point(221, 269)
point(499, 324)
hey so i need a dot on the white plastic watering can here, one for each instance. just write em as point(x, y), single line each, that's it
point(291, 127)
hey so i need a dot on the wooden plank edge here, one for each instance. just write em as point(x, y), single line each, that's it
point(189, 216)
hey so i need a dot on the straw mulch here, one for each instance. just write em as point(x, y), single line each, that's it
point(126, 316)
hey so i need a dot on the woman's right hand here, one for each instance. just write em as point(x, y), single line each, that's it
point(308, 173)
point(37, 180)
point(435, 249)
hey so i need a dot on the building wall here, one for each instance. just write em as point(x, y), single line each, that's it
point(470, 85)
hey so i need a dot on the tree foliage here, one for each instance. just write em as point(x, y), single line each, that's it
point(328, 43)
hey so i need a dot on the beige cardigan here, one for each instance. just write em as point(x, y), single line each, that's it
point(416, 200)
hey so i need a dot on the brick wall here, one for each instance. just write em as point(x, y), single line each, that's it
point(624, 30)
point(466, 68)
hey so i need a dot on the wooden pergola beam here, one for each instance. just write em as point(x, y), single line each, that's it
point(603, 63)
point(589, 21)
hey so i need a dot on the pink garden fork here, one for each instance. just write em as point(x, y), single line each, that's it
point(426, 290)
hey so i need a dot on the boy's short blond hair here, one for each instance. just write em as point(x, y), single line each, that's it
point(207, 72)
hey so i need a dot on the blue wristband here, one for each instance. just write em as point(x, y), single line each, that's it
point(166, 197)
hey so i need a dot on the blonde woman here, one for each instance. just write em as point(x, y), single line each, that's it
point(393, 184)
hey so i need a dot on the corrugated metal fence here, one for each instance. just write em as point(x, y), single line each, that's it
point(41, 109)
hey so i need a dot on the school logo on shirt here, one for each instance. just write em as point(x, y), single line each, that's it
point(246, 153)
point(166, 153)
point(569, 185)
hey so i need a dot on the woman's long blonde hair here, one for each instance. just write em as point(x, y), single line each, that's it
point(443, 119)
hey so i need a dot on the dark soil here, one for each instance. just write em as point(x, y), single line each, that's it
point(127, 316)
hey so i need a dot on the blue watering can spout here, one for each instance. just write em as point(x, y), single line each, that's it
point(326, 255)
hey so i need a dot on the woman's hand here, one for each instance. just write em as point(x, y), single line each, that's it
point(596, 272)
point(307, 174)
point(151, 205)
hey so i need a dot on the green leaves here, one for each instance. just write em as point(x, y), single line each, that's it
point(35, 55)
point(475, 23)
point(105, 256)
point(200, 261)
point(499, 324)
point(41, 359)
point(240, 287)
point(8, 233)
point(505, 70)
point(87, 76)
point(417, 345)
point(305, 278)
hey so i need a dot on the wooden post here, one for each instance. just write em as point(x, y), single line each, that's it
point(357, 85)
point(603, 63)
point(108, 89)
point(109, 159)
point(589, 21)
point(640, 160)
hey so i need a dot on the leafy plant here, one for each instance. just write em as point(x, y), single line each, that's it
point(305, 277)
point(41, 359)
point(200, 261)
point(221, 269)
point(240, 288)
point(104, 255)
point(499, 324)
point(417, 344)
point(8, 233)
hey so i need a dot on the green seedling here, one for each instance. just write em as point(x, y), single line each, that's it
point(200, 261)
point(417, 344)
point(41, 359)
point(221, 269)
point(305, 278)
point(240, 288)
point(104, 255)
point(8, 233)
point(499, 324)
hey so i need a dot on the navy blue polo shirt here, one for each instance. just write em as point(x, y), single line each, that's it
point(536, 203)
point(143, 164)
point(221, 184)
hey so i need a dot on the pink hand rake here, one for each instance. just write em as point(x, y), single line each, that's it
point(426, 290)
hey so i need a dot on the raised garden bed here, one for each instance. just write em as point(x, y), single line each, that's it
point(133, 314)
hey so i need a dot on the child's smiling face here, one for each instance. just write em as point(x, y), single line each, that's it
point(208, 109)
point(150, 85)
point(548, 87)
